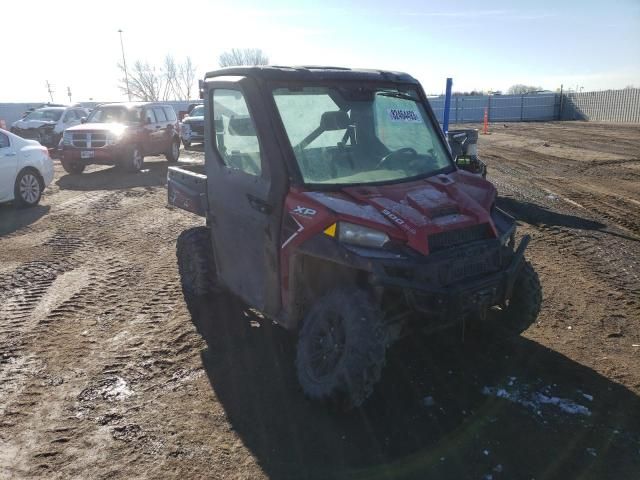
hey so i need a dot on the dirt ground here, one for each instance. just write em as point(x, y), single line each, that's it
point(102, 374)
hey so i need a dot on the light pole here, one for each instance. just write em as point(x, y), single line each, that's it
point(124, 64)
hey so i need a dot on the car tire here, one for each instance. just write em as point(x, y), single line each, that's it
point(73, 168)
point(174, 152)
point(186, 143)
point(133, 159)
point(195, 262)
point(28, 188)
point(341, 347)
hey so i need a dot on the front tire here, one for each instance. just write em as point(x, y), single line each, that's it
point(525, 302)
point(134, 160)
point(73, 168)
point(186, 143)
point(174, 152)
point(341, 347)
point(28, 188)
point(195, 262)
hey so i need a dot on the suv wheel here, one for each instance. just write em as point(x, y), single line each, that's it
point(28, 188)
point(74, 168)
point(174, 152)
point(341, 347)
point(186, 143)
point(134, 160)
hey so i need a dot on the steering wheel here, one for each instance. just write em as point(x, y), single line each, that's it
point(395, 153)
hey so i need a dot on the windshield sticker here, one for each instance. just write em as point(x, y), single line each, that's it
point(401, 115)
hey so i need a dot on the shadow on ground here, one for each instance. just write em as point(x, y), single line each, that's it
point(154, 173)
point(13, 218)
point(538, 215)
point(459, 432)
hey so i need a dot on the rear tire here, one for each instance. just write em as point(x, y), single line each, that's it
point(341, 347)
point(28, 188)
point(195, 262)
point(174, 152)
point(133, 160)
point(73, 168)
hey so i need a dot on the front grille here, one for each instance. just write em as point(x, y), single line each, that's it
point(451, 238)
point(88, 140)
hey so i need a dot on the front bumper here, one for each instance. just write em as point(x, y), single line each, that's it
point(108, 155)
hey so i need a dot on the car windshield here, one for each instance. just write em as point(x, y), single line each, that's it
point(357, 135)
point(46, 114)
point(197, 111)
point(115, 114)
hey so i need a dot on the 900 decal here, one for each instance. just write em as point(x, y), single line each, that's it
point(398, 221)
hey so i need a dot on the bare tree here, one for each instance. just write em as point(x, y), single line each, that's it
point(243, 56)
point(520, 89)
point(186, 79)
point(145, 81)
point(150, 83)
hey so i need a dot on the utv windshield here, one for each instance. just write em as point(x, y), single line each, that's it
point(45, 114)
point(115, 114)
point(356, 135)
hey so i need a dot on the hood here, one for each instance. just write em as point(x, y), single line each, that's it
point(92, 127)
point(24, 124)
point(195, 120)
point(414, 211)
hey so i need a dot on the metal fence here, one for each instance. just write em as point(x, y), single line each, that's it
point(606, 106)
point(500, 108)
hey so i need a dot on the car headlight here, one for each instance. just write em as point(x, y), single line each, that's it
point(114, 137)
point(359, 235)
point(186, 128)
point(66, 138)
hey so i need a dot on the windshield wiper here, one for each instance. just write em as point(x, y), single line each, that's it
point(402, 95)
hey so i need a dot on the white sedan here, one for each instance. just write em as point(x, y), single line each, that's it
point(25, 170)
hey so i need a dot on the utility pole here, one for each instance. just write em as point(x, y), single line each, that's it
point(50, 91)
point(69, 93)
point(124, 64)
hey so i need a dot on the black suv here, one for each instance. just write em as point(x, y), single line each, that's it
point(122, 134)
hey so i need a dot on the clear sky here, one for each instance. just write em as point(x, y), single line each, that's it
point(482, 44)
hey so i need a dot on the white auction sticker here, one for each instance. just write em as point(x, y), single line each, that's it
point(401, 115)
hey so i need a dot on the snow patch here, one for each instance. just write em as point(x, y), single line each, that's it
point(535, 400)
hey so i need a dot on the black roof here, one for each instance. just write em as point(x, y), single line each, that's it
point(311, 73)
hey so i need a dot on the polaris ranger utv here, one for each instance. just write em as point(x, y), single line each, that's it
point(334, 207)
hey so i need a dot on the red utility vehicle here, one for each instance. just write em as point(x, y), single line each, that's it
point(334, 207)
point(122, 134)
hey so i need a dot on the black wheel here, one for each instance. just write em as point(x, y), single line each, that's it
point(74, 168)
point(524, 306)
point(28, 188)
point(341, 347)
point(174, 152)
point(195, 262)
point(134, 159)
point(186, 143)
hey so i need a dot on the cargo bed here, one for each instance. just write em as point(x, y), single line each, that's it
point(187, 188)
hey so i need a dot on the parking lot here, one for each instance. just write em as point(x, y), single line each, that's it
point(102, 373)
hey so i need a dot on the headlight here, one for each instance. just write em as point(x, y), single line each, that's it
point(362, 236)
point(114, 137)
point(66, 138)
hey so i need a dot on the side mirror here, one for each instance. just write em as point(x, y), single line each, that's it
point(83, 120)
